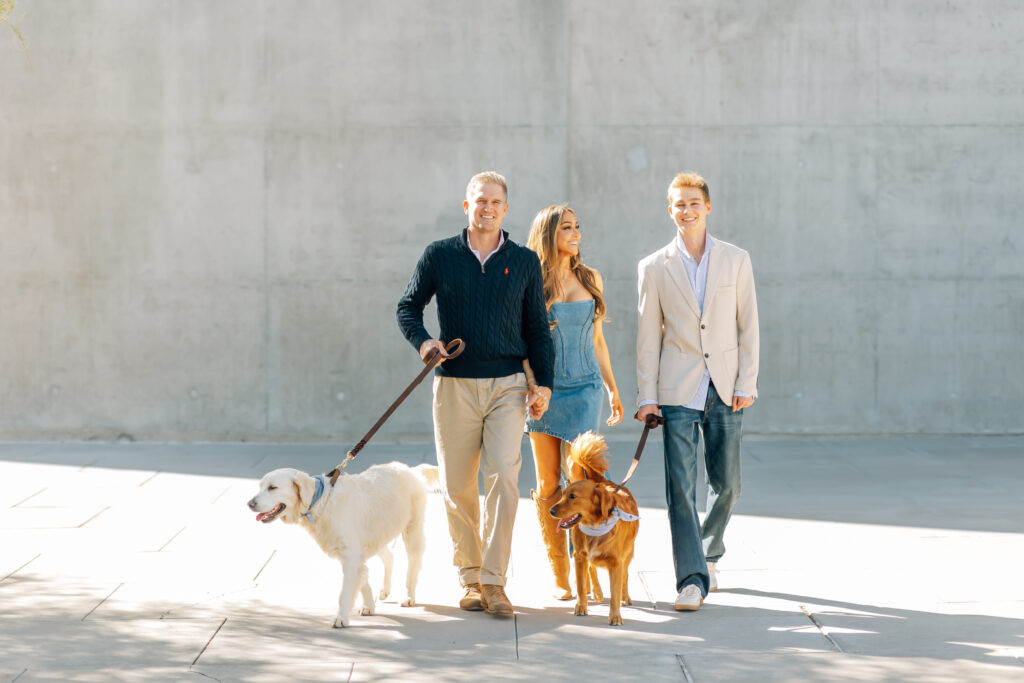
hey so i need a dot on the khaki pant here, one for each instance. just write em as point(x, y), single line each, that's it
point(478, 426)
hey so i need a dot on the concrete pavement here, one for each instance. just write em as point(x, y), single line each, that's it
point(850, 559)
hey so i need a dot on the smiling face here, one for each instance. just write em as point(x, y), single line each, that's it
point(486, 206)
point(567, 236)
point(689, 209)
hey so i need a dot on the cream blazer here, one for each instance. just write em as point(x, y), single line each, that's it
point(674, 340)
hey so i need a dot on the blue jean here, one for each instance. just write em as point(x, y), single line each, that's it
point(693, 546)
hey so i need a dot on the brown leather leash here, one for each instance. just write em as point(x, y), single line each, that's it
point(433, 359)
point(650, 422)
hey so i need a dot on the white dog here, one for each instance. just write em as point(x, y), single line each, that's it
point(354, 520)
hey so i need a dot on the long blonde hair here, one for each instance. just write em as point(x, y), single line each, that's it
point(543, 240)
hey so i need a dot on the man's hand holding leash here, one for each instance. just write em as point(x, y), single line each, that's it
point(643, 411)
point(428, 346)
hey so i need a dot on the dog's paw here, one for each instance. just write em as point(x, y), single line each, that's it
point(626, 600)
point(366, 611)
point(383, 595)
point(408, 602)
point(340, 622)
point(581, 609)
point(615, 620)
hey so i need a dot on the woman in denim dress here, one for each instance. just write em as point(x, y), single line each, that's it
point(583, 370)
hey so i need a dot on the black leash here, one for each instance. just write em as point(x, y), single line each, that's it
point(650, 422)
point(433, 359)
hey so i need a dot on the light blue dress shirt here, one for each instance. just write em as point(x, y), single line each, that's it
point(697, 274)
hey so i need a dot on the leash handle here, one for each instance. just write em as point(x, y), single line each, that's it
point(452, 349)
point(650, 422)
point(434, 358)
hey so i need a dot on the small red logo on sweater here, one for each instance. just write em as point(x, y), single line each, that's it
point(506, 271)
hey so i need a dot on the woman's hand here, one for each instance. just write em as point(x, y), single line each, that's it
point(616, 406)
point(537, 400)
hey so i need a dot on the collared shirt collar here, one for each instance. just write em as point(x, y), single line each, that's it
point(483, 260)
point(709, 242)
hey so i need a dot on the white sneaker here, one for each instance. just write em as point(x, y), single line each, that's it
point(713, 576)
point(689, 599)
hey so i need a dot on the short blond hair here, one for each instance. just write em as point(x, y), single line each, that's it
point(488, 178)
point(690, 179)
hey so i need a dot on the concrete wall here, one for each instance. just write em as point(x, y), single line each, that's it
point(208, 210)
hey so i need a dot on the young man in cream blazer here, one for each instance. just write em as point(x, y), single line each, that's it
point(697, 358)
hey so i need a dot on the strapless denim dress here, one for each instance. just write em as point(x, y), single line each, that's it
point(577, 396)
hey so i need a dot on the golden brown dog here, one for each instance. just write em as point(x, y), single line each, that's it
point(587, 458)
point(603, 522)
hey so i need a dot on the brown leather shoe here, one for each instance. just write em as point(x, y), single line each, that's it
point(495, 601)
point(471, 600)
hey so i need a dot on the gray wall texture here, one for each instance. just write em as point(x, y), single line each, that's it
point(209, 209)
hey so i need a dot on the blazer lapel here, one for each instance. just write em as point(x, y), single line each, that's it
point(714, 273)
point(678, 274)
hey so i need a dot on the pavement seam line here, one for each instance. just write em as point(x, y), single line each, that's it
point(177, 533)
point(821, 629)
point(647, 589)
point(272, 552)
point(515, 627)
point(149, 479)
point(101, 602)
point(38, 555)
point(29, 498)
point(219, 627)
point(93, 517)
point(682, 666)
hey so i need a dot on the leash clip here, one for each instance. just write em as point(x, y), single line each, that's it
point(336, 472)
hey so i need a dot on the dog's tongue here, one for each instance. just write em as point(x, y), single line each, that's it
point(269, 515)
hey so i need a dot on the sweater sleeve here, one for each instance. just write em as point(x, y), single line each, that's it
point(417, 295)
point(539, 348)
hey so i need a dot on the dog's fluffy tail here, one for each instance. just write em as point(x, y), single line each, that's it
point(590, 452)
point(430, 475)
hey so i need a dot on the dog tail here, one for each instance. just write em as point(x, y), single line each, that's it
point(590, 452)
point(429, 474)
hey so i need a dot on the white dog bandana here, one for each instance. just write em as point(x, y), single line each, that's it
point(602, 529)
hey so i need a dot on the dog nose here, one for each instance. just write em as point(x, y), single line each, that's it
point(252, 504)
point(552, 511)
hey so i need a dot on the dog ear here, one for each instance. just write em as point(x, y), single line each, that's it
point(304, 488)
point(607, 502)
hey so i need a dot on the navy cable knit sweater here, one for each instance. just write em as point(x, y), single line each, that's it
point(497, 309)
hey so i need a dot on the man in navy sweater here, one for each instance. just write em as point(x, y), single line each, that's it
point(490, 294)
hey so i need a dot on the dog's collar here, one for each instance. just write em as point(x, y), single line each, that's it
point(602, 529)
point(321, 483)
